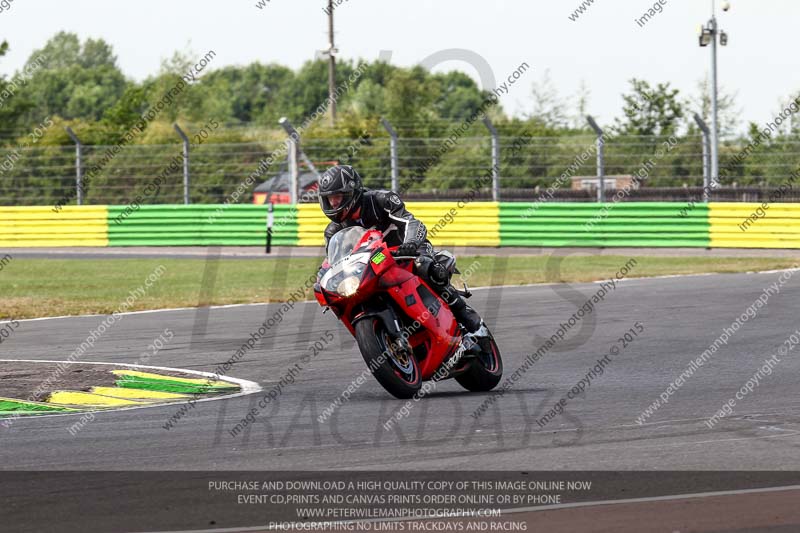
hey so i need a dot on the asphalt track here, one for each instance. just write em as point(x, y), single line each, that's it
point(681, 317)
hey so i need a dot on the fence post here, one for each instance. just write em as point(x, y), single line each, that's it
point(706, 156)
point(294, 173)
point(78, 163)
point(392, 152)
point(495, 159)
point(601, 160)
point(270, 221)
point(185, 162)
point(295, 135)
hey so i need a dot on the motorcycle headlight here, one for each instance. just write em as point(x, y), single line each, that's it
point(345, 278)
point(348, 286)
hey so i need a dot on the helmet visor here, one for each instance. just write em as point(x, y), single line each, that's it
point(335, 202)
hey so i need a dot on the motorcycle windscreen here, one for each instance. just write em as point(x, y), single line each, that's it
point(343, 242)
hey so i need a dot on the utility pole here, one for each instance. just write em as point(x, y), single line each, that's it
point(709, 35)
point(714, 92)
point(331, 65)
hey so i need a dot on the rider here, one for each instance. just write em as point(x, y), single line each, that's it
point(347, 203)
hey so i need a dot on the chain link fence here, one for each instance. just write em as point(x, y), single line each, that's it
point(433, 167)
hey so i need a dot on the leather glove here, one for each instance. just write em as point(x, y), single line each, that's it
point(438, 273)
point(407, 248)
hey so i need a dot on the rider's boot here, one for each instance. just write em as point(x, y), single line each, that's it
point(465, 315)
point(477, 332)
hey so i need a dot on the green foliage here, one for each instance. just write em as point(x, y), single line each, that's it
point(407, 97)
point(548, 107)
point(459, 96)
point(12, 107)
point(256, 92)
point(651, 110)
point(127, 110)
point(727, 109)
point(366, 100)
point(73, 80)
point(78, 84)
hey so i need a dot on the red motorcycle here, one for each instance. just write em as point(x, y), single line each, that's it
point(404, 330)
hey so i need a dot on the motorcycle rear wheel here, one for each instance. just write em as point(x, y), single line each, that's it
point(398, 373)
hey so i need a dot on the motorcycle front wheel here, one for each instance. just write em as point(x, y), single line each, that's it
point(485, 372)
point(396, 371)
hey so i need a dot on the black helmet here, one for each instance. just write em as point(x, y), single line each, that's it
point(341, 179)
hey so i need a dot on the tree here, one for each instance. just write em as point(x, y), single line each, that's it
point(408, 96)
point(794, 121)
point(581, 97)
point(257, 92)
point(73, 80)
point(651, 110)
point(63, 50)
point(727, 111)
point(548, 106)
point(459, 95)
point(96, 53)
point(309, 89)
point(127, 110)
point(368, 100)
point(791, 123)
point(13, 102)
point(197, 101)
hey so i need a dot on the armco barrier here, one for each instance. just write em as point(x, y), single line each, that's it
point(41, 226)
point(475, 224)
point(621, 224)
point(653, 224)
point(200, 225)
point(746, 225)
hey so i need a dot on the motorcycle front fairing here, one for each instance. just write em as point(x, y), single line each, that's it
point(346, 281)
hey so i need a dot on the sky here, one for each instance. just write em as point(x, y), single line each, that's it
point(605, 47)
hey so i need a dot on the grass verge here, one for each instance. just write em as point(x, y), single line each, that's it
point(49, 287)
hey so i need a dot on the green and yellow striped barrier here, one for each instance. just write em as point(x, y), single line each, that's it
point(200, 225)
point(651, 224)
point(749, 225)
point(41, 226)
point(476, 224)
point(636, 224)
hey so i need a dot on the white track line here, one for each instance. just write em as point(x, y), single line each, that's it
point(558, 506)
point(554, 507)
point(227, 306)
point(642, 278)
point(248, 387)
point(165, 310)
